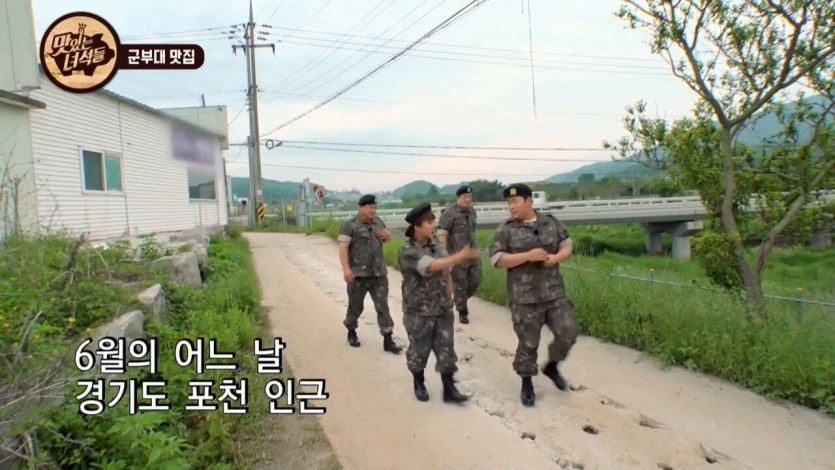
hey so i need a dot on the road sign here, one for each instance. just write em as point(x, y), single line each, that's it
point(289, 207)
point(260, 211)
point(318, 193)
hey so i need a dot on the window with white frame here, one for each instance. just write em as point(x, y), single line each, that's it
point(101, 171)
point(201, 185)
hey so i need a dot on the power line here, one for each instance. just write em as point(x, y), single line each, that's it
point(486, 62)
point(274, 11)
point(324, 74)
point(473, 157)
point(438, 28)
point(471, 54)
point(637, 59)
point(179, 33)
point(372, 171)
point(316, 60)
point(455, 147)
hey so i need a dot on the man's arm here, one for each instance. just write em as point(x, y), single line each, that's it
point(344, 241)
point(444, 226)
point(500, 255)
point(565, 247)
point(383, 233)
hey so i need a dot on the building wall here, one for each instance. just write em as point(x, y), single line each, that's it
point(18, 199)
point(155, 195)
point(18, 46)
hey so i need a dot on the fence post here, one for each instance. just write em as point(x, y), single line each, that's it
point(798, 302)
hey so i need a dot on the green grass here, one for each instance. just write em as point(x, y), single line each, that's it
point(789, 353)
point(49, 304)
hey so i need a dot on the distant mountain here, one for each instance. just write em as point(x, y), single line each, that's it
point(272, 190)
point(765, 126)
point(419, 187)
point(451, 188)
point(602, 169)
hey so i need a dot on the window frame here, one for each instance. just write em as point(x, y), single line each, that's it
point(103, 155)
point(215, 199)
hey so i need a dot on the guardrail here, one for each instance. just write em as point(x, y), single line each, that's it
point(689, 207)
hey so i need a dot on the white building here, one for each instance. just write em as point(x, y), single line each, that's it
point(100, 163)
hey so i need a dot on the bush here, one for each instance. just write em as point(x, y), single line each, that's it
point(54, 291)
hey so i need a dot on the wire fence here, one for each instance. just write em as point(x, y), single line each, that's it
point(797, 299)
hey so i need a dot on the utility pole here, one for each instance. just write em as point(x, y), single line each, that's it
point(253, 140)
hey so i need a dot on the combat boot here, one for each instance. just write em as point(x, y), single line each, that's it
point(390, 346)
point(550, 370)
point(353, 340)
point(451, 394)
point(527, 395)
point(464, 316)
point(420, 387)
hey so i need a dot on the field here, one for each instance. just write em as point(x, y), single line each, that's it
point(667, 308)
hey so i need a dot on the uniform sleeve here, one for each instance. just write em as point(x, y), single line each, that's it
point(500, 245)
point(563, 239)
point(445, 222)
point(345, 233)
point(410, 258)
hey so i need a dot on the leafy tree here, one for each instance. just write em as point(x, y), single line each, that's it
point(586, 178)
point(433, 192)
point(486, 191)
point(740, 58)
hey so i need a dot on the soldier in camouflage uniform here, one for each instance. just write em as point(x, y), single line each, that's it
point(456, 230)
point(530, 245)
point(364, 270)
point(427, 302)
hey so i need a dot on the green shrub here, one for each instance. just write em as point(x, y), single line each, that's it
point(53, 292)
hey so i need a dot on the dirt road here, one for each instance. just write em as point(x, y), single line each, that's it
point(624, 412)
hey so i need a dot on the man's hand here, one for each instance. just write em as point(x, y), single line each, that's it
point(348, 275)
point(468, 253)
point(552, 261)
point(383, 234)
point(537, 255)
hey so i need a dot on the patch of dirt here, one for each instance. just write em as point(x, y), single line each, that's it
point(289, 442)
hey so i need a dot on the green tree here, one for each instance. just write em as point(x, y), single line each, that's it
point(486, 191)
point(586, 178)
point(433, 192)
point(740, 58)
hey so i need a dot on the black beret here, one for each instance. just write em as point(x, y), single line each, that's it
point(368, 199)
point(417, 212)
point(517, 189)
point(463, 190)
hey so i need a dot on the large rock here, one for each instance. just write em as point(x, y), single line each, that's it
point(199, 249)
point(130, 325)
point(198, 234)
point(183, 268)
point(153, 302)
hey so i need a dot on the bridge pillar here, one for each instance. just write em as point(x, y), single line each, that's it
point(680, 231)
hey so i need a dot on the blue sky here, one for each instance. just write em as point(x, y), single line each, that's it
point(470, 85)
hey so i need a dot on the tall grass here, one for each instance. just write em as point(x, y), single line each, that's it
point(789, 353)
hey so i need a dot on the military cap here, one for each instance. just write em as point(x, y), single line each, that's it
point(368, 199)
point(464, 190)
point(517, 189)
point(417, 212)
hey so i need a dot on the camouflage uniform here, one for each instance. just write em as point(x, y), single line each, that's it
point(536, 294)
point(459, 226)
point(427, 308)
point(365, 258)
